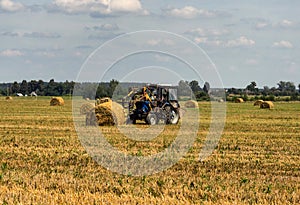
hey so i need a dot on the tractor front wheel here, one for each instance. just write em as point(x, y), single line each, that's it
point(172, 115)
point(151, 119)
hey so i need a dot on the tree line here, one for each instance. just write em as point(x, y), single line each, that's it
point(285, 89)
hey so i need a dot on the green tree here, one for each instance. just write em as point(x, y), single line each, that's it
point(286, 88)
point(24, 87)
point(251, 87)
point(194, 85)
point(15, 87)
point(206, 87)
point(40, 88)
point(52, 88)
point(112, 86)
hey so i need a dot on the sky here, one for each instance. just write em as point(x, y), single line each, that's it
point(238, 41)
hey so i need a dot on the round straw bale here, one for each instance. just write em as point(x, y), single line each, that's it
point(57, 101)
point(85, 108)
point(239, 100)
point(8, 98)
point(267, 105)
point(258, 102)
point(191, 104)
point(105, 114)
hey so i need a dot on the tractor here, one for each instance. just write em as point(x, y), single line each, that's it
point(152, 104)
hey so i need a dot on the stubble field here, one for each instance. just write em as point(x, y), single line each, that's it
point(42, 161)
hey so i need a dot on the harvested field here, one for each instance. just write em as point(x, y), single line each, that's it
point(256, 162)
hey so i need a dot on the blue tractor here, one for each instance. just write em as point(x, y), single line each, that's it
point(154, 104)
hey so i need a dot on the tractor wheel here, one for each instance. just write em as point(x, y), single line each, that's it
point(172, 115)
point(151, 119)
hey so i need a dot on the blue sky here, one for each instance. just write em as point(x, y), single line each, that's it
point(246, 40)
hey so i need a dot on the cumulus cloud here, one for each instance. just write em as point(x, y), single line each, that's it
point(11, 34)
point(41, 35)
point(10, 6)
point(155, 42)
point(103, 27)
point(125, 5)
point(285, 23)
point(240, 42)
point(97, 8)
point(189, 12)
point(207, 32)
point(261, 25)
point(11, 53)
point(283, 44)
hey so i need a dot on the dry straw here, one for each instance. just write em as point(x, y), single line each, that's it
point(239, 100)
point(258, 102)
point(191, 104)
point(267, 105)
point(106, 114)
point(57, 101)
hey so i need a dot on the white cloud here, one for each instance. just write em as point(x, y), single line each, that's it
point(125, 5)
point(286, 23)
point(207, 32)
point(261, 25)
point(189, 12)
point(206, 41)
point(41, 35)
point(98, 7)
point(155, 42)
point(241, 41)
point(283, 44)
point(11, 53)
point(103, 27)
point(10, 6)
point(80, 6)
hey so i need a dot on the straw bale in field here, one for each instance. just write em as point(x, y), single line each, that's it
point(103, 100)
point(57, 101)
point(239, 100)
point(267, 105)
point(105, 114)
point(258, 102)
point(8, 98)
point(191, 104)
point(85, 108)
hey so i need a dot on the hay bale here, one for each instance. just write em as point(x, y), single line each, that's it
point(258, 102)
point(8, 98)
point(57, 101)
point(191, 104)
point(85, 108)
point(267, 105)
point(103, 100)
point(239, 100)
point(106, 114)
